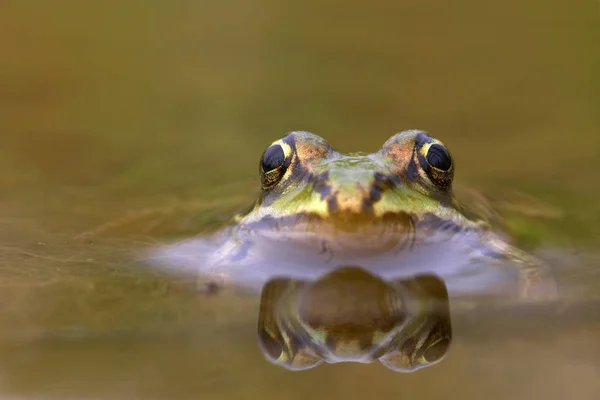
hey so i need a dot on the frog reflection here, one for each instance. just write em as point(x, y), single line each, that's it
point(351, 315)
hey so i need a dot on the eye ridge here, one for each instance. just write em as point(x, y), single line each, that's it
point(439, 157)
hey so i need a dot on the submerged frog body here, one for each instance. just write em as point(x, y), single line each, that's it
point(391, 212)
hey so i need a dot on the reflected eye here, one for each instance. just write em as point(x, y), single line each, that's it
point(271, 347)
point(438, 157)
point(437, 351)
point(273, 158)
point(273, 165)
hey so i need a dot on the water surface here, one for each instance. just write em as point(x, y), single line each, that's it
point(123, 125)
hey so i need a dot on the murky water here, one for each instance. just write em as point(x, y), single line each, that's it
point(125, 124)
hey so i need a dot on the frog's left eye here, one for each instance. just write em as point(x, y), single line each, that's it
point(438, 157)
point(273, 165)
point(436, 161)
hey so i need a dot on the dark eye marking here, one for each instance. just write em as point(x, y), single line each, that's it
point(412, 170)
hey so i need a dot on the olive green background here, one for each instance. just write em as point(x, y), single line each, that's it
point(123, 124)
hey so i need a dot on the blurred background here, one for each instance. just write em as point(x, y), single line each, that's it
point(123, 124)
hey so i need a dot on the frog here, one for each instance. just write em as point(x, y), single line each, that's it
point(392, 211)
point(392, 214)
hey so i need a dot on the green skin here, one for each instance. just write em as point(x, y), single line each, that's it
point(391, 213)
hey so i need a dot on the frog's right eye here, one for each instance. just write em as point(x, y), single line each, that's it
point(273, 164)
point(273, 158)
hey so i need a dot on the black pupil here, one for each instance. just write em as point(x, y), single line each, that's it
point(273, 158)
point(438, 157)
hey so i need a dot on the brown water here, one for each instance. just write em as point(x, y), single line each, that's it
point(127, 123)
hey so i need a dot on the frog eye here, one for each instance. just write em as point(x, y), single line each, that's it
point(273, 165)
point(436, 160)
point(438, 157)
point(436, 351)
point(273, 158)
